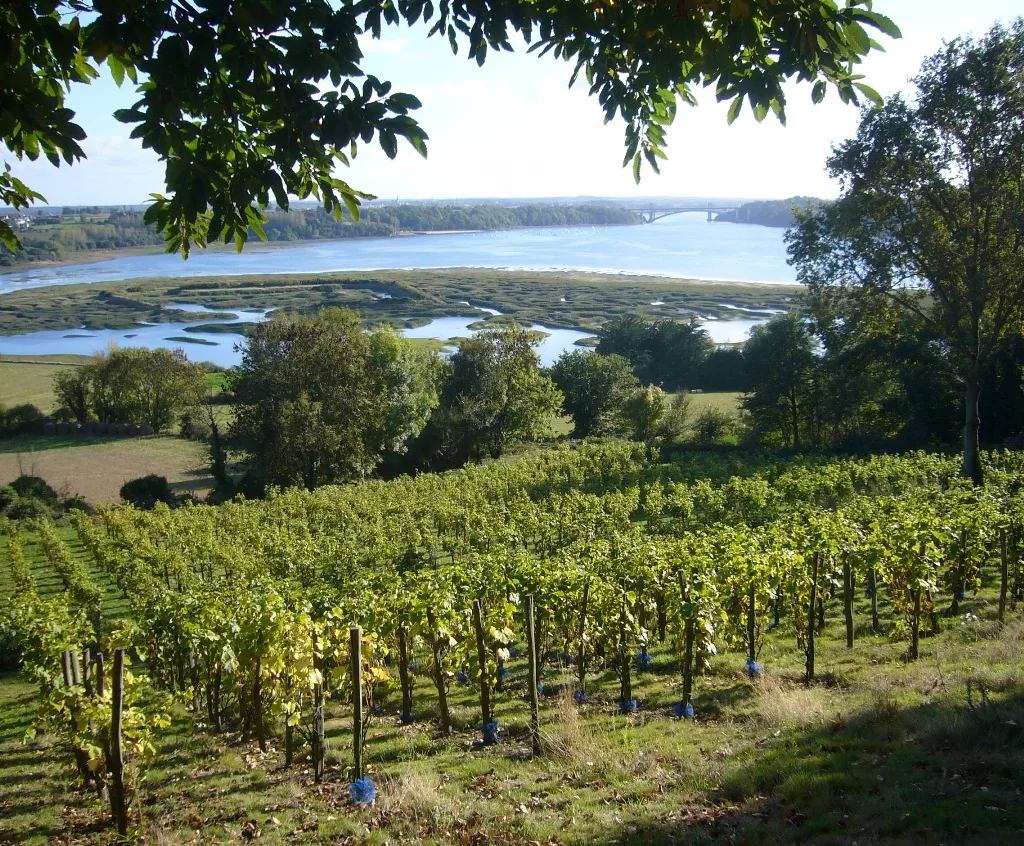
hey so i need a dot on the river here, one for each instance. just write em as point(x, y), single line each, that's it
point(684, 246)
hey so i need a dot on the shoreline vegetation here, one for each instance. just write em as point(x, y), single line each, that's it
point(105, 233)
point(581, 301)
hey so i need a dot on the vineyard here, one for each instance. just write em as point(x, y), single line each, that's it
point(576, 646)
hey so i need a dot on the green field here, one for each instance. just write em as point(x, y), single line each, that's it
point(28, 379)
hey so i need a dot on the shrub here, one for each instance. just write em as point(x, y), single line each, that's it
point(30, 508)
point(21, 420)
point(146, 491)
point(27, 486)
point(76, 502)
point(8, 496)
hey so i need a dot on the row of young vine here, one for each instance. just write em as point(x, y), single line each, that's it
point(243, 610)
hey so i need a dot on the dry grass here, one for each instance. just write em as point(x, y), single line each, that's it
point(96, 471)
point(418, 795)
point(568, 739)
point(780, 705)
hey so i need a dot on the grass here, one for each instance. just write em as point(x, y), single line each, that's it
point(726, 401)
point(29, 379)
point(877, 751)
point(96, 468)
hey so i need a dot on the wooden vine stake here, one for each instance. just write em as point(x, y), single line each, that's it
point(531, 649)
point(873, 584)
point(1004, 582)
point(752, 622)
point(581, 658)
point(118, 796)
point(688, 638)
point(356, 641)
point(481, 651)
point(848, 600)
point(439, 680)
point(69, 660)
point(318, 716)
point(810, 618)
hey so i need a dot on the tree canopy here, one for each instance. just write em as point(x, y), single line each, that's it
point(931, 214)
point(251, 101)
point(131, 385)
point(320, 401)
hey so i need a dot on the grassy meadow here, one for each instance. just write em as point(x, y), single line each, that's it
point(877, 751)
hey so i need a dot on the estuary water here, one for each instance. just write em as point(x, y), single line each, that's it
point(684, 246)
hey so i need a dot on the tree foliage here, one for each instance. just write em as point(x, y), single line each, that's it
point(257, 100)
point(321, 401)
point(595, 389)
point(663, 352)
point(931, 213)
point(493, 394)
point(131, 385)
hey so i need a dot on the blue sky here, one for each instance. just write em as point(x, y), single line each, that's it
point(514, 129)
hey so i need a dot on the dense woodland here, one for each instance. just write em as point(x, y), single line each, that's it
point(54, 237)
point(777, 213)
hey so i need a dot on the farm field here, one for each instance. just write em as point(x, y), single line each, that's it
point(875, 747)
point(29, 379)
point(95, 468)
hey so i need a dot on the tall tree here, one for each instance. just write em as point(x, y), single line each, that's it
point(780, 365)
point(319, 400)
point(254, 100)
point(931, 214)
point(133, 385)
point(494, 394)
point(595, 389)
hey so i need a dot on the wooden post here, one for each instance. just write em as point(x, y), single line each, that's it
point(81, 757)
point(873, 584)
point(118, 798)
point(581, 658)
point(915, 627)
point(848, 600)
point(481, 652)
point(356, 641)
point(531, 648)
point(101, 689)
point(87, 672)
point(439, 679)
point(810, 618)
point(688, 638)
point(76, 668)
point(1015, 592)
point(403, 673)
point(625, 681)
point(1004, 581)
point(318, 717)
point(257, 705)
point(751, 622)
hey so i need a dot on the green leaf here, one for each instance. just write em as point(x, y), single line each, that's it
point(734, 109)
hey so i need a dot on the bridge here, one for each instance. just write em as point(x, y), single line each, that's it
point(649, 214)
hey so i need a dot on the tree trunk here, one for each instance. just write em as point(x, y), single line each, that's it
point(972, 425)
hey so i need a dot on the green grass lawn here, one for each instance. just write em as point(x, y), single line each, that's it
point(29, 379)
point(877, 750)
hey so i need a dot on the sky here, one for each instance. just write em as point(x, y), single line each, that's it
point(514, 129)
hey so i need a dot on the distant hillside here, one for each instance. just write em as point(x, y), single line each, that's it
point(769, 212)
